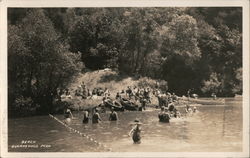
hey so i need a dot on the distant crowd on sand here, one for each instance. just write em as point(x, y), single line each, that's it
point(131, 99)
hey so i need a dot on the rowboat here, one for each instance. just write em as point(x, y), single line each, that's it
point(204, 101)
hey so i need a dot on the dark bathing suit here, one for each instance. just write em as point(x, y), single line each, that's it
point(85, 119)
point(113, 117)
point(95, 118)
point(164, 117)
point(137, 135)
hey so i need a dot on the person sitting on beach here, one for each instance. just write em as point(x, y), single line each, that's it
point(85, 117)
point(137, 95)
point(129, 92)
point(113, 115)
point(78, 91)
point(68, 96)
point(147, 95)
point(136, 132)
point(171, 106)
point(96, 117)
point(94, 91)
point(106, 92)
point(107, 101)
point(118, 96)
point(99, 92)
point(143, 102)
point(174, 97)
point(63, 95)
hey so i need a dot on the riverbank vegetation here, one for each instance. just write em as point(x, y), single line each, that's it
point(188, 48)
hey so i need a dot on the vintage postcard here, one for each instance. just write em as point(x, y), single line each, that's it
point(118, 78)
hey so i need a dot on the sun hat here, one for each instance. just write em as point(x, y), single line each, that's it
point(137, 122)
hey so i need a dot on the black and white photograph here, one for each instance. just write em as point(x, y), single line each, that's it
point(126, 79)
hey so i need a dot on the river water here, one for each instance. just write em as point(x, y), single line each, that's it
point(212, 129)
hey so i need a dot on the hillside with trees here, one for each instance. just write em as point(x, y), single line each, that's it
point(189, 48)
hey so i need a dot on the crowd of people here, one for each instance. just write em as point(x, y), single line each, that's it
point(129, 99)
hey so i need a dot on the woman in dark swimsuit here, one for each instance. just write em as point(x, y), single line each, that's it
point(136, 131)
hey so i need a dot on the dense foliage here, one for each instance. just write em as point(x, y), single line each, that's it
point(190, 48)
point(38, 63)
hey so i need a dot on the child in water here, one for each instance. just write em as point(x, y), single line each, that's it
point(136, 132)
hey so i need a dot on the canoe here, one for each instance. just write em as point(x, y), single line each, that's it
point(204, 101)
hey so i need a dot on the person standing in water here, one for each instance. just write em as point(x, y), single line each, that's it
point(96, 117)
point(136, 132)
point(113, 115)
point(164, 115)
point(85, 117)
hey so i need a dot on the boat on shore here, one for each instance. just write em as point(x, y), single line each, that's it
point(204, 101)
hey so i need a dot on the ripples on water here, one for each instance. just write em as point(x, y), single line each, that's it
point(213, 128)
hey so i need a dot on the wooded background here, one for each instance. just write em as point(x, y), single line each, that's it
point(190, 48)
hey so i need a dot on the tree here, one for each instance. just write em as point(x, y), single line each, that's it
point(39, 62)
point(213, 85)
point(96, 34)
point(220, 31)
point(180, 48)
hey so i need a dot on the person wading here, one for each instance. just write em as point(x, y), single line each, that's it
point(164, 115)
point(85, 117)
point(136, 132)
point(96, 117)
point(113, 115)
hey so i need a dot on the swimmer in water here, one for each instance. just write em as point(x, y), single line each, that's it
point(68, 113)
point(85, 117)
point(136, 132)
point(113, 115)
point(188, 109)
point(96, 117)
point(164, 115)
